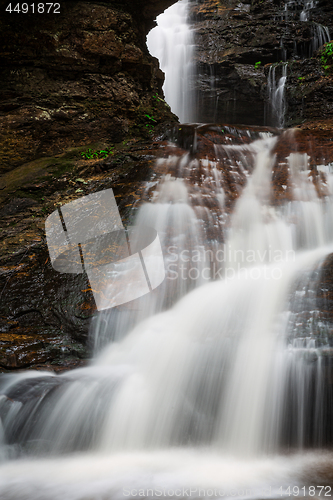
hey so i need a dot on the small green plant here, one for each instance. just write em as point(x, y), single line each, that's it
point(89, 154)
point(327, 57)
point(257, 65)
point(151, 118)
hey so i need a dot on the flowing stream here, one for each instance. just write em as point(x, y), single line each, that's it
point(210, 393)
point(219, 384)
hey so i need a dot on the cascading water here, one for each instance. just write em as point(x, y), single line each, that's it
point(307, 7)
point(172, 43)
point(302, 10)
point(227, 374)
point(215, 384)
point(293, 10)
point(299, 10)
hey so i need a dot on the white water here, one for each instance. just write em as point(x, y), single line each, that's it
point(165, 474)
point(302, 10)
point(172, 43)
point(307, 7)
point(276, 94)
point(299, 9)
point(194, 397)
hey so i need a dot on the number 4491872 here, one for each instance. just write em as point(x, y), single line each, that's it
point(34, 8)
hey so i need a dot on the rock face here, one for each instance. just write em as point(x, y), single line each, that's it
point(72, 84)
point(238, 42)
point(82, 109)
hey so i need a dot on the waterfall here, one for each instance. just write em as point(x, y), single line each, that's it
point(223, 377)
point(302, 10)
point(299, 10)
point(307, 7)
point(172, 43)
point(276, 94)
point(218, 383)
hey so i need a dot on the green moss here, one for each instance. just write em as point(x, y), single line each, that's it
point(23, 179)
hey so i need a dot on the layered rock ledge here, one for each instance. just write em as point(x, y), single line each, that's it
point(72, 85)
point(237, 43)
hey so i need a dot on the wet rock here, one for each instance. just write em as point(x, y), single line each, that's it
point(236, 44)
point(45, 315)
point(17, 205)
point(79, 81)
point(308, 92)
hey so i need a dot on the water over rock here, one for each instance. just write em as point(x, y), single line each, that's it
point(72, 82)
point(86, 79)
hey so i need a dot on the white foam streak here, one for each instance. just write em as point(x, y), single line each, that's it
point(163, 472)
point(213, 372)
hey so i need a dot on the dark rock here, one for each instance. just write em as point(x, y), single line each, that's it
point(81, 79)
point(233, 36)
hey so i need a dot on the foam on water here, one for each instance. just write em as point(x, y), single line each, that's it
point(201, 395)
point(217, 382)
